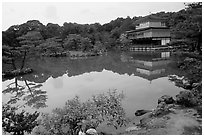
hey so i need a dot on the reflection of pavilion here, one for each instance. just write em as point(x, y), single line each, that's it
point(152, 69)
point(149, 65)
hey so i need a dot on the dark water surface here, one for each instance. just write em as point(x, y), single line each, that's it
point(142, 77)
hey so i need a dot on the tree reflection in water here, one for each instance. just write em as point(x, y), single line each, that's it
point(29, 92)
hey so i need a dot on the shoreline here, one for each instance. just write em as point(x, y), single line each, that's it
point(166, 119)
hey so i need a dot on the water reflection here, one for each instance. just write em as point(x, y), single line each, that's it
point(144, 65)
point(142, 77)
point(149, 65)
point(24, 93)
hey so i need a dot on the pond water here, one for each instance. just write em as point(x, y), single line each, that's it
point(142, 77)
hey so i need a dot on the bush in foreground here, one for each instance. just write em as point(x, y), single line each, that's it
point(77, 115)
point(17, 123)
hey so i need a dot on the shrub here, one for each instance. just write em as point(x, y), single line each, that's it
point(17, 123)
point(76, 114)
point(187, 98)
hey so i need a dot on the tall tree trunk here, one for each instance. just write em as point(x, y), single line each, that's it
point(23, 62)
point(16, 82)
point(13, 63)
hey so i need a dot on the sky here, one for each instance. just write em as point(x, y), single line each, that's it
point(16, 13)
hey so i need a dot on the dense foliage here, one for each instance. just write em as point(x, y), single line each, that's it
point(75, 115)
point(186, 25)
point(17, 123)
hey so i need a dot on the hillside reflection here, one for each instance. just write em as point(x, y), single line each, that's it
point(149, 66)
point(142, 76)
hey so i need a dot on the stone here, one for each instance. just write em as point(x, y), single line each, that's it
point(161, 105)
point(91, 131)
point(146, 118)
point(187, 59)
point(141, 112)
point(132, 129)
point(163, 109)
point(166, 99)
point(196, 84)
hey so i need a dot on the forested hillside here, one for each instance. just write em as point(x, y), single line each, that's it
point(185, 26)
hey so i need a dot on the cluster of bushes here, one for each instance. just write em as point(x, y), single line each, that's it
point(90, 114)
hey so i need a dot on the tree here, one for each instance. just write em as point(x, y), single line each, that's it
point(77, 42)
point(72, 42)
point(71, 28)
point(124, 41)
point(31, 25)
point(193, 5)
point(98, 46)
point(187, 25)
point(29, 41)
point(115, 33)
point(9, 36)
point(51, 45)
point(86, 44)
point(108, 42)
point(196, 21)
point(9, 55)
point(52, 30)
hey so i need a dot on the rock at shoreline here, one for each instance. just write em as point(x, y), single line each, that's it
point(166, 99)
point(141, 112)
point(163, 109)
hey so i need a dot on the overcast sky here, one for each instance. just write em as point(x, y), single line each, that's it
point(82, 13)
